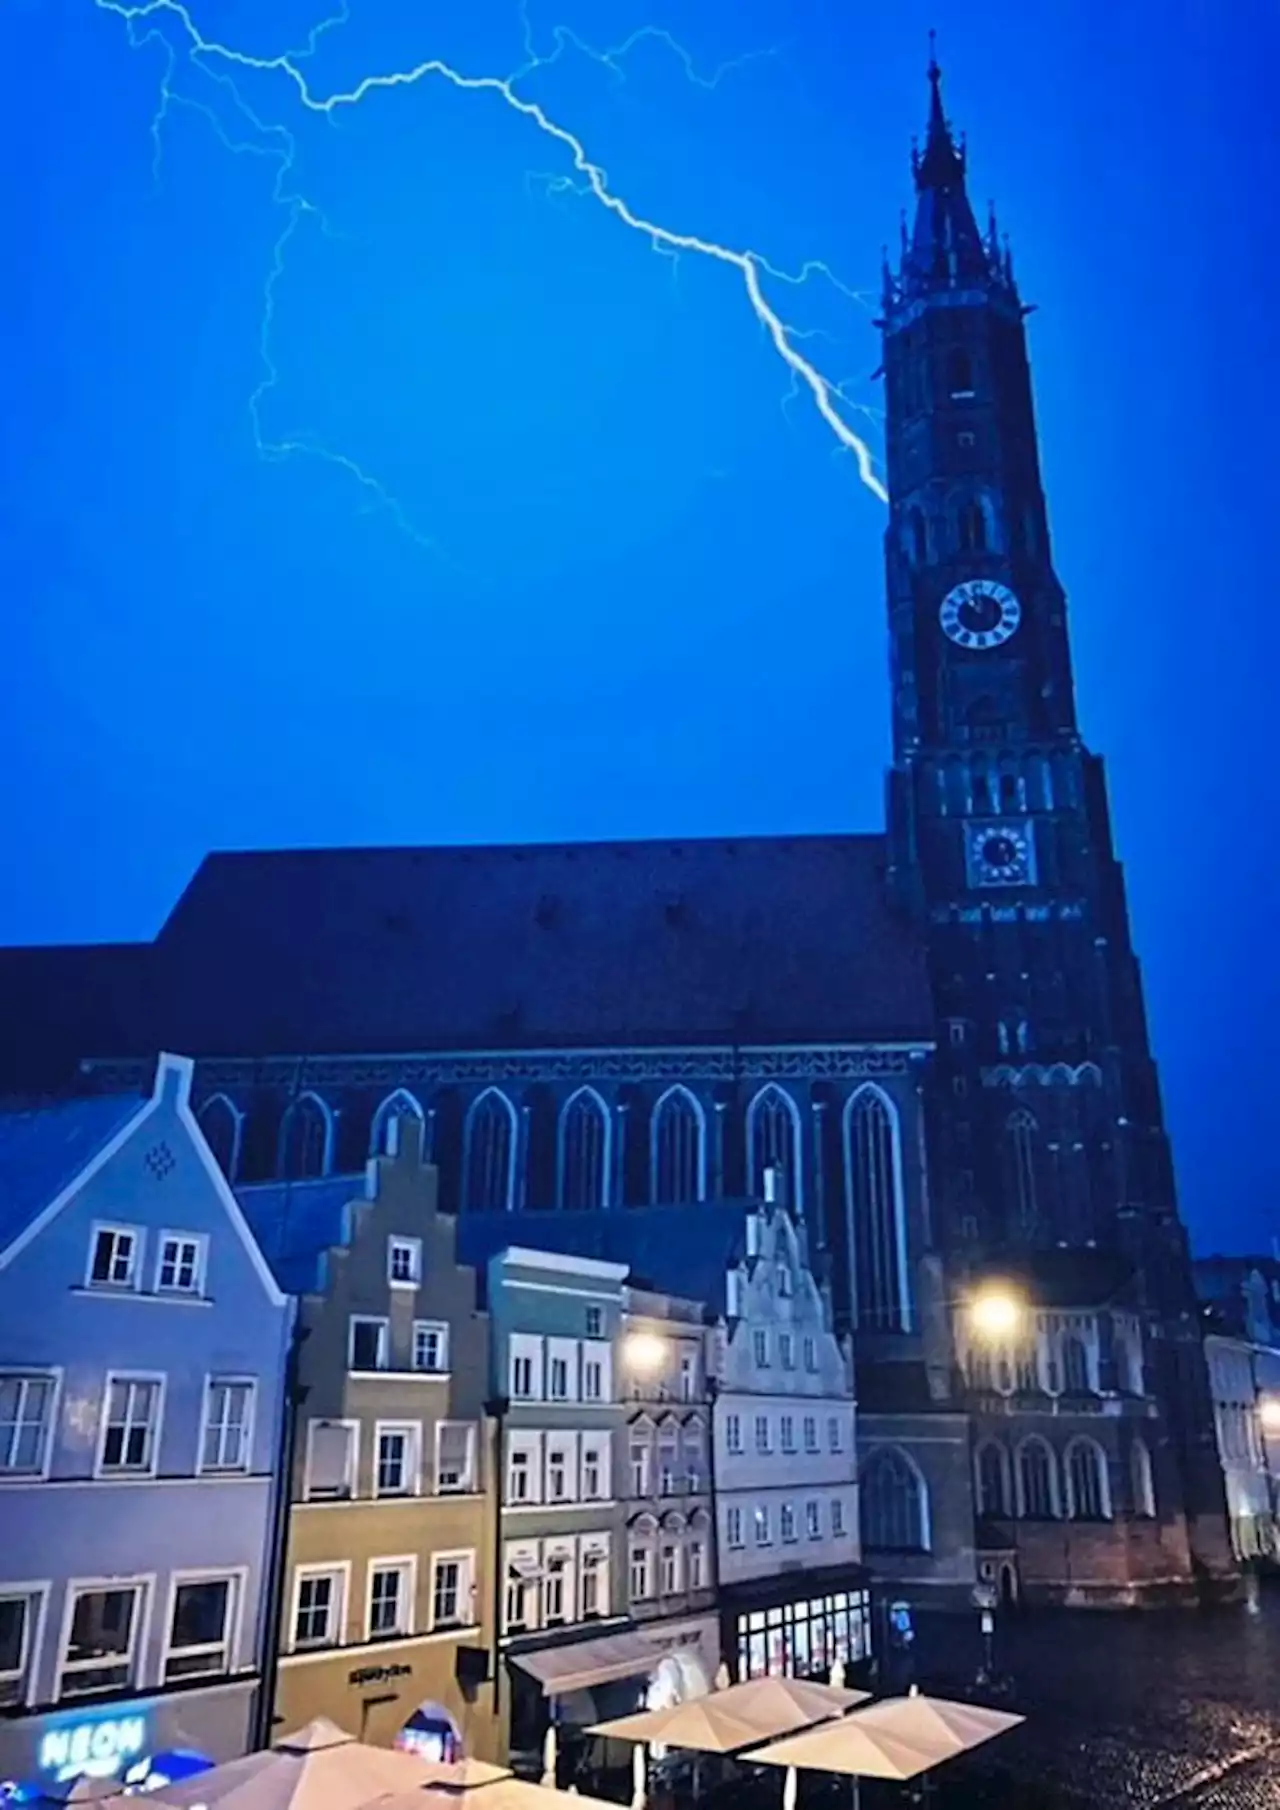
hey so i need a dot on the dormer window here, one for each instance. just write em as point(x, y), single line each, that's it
point(114, 1253)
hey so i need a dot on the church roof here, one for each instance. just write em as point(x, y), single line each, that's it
point(44, 1148)
point(782, 939)
point(296, 1223)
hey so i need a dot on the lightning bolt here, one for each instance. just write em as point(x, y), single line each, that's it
point(218, 60)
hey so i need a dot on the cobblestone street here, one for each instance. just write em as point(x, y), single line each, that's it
point(1132, 1711)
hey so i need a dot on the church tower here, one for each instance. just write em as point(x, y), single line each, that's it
point(1048, 1129)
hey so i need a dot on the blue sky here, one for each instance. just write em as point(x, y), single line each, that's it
point(626, 583)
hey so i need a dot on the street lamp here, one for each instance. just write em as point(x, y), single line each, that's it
point(1269, 1413)
point(643, 1353)
point(996, 1312)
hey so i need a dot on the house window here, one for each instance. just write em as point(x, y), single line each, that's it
point(398, 1464)
point(520, 1602)
point(369, 1343)
point(876, 1211)
point(733, 1434)
point(19, 1611)
point(200, 1631)
point(180, 1267)
point(676, 1157)
point(113, 1257)
point(688, 1377)
point(782, 1281)
point(584, 1152)
point(837, 1518)
point(639, 1465)
point(787, 1523)
point(670, 1570)
point(786, 1351)
point(317, 1611)
point(1023, 1137)
point(526, 1366)
point(693, 1455)
point(1142, 1480)
point(430, 1345)
point(455, 1457)
point(760, 1348)
point(131, 1425)
point(26, 1422)
point(592, 1379)
point(811, 1434)
point(992, 1492)
point(764, 1535)
point(519, 1476)
point(102, 1646)
point(558, 1470)
point(331, 1460)
point(595, 1464)
point(834, 1440)
point(451, 1589)
point(490, 1154)
point(390, 1598)
point(1075, 1366)
point(555, 1589)
point(813, 1520)
point(788, 1433)
point(641, 1573)
point(764, 1436)
point(811, 1356)
point(228, 1423)
point(595, 1322)
point(697, 1565)
point(893, 1503)
point(733, 1527)
point(559, 1380)
point(304, 1140)
point(404, 1262)
point(593, 1597)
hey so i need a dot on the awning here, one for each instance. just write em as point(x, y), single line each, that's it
point(578, 1666)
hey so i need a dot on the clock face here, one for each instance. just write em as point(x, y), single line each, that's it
point(1000, 855)
point(980, 613)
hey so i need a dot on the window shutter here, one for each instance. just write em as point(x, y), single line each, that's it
point(328, 1464)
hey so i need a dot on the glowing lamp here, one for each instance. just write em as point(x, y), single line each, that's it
point(1269, 1413)
point(644, 1352)
point(995, 1313)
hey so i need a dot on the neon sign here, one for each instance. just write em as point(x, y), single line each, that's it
point(96, 1750)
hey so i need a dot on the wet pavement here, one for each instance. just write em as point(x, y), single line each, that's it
point(1131, 1711)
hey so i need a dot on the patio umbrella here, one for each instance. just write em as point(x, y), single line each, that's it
point(319, 1767)
point(897, 1738)
point(740, 1716)
point(505, 1793)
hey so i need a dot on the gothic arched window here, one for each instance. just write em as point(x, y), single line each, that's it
point(490, 1150)
point(1023, 1136)
point(973, 528)
point(978, 1369)
point(1075, 1366)
point(220, 1127)
point(959, 373)
point(773, 1141)
point(875, 1209)
point(305, 1139)
point(1141, 1479)
point(584, 1151)
point(1037, 1481)
point(397, 1105)
point(894, 1505)
point(1087, 1495)
point(993, 1479)
point(677, 1153)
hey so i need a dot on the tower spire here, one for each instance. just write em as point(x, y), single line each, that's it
point(942, 163)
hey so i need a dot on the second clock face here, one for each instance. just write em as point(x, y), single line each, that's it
point(979, 613)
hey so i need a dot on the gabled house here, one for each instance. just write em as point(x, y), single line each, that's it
point(143, 1349)
point(388, 1589)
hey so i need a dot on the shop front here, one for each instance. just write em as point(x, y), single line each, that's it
point(799, 1626)
point(414, 1695)
point(142, 1743)
point(565, 1686)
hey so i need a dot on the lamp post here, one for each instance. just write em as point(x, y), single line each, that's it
point(996, 1314)
point(497, 1410)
